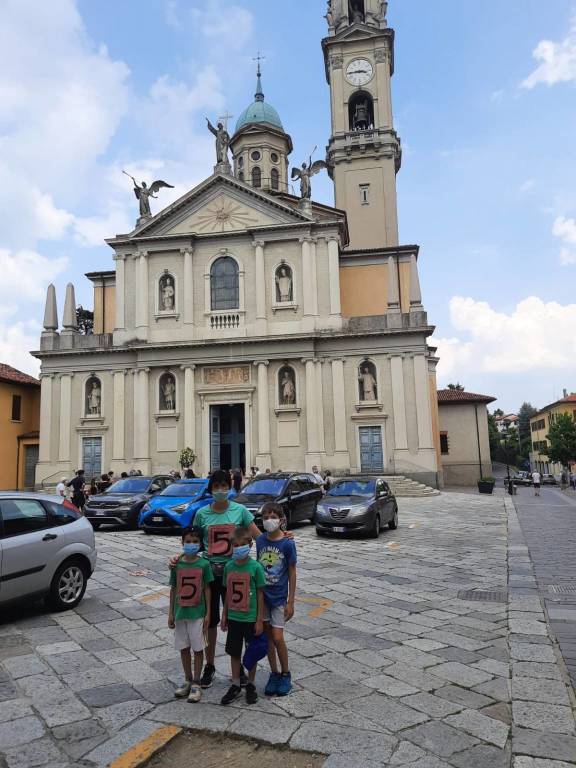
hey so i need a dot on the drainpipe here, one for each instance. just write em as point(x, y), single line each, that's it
point(478, 438)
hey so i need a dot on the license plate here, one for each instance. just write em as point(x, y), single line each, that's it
point(101, 513)
point(157, 519)
point(339, 530)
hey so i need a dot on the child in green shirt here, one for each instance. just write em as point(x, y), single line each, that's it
point(189, 615)
point(243, 612)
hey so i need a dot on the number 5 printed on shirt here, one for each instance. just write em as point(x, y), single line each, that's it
point(189, 587)
point(239, 592)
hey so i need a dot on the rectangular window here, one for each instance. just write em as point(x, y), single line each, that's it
point(444, 444)
point(16, 408)
point(365, 194)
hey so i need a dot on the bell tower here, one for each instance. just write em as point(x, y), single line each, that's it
point(364, 152)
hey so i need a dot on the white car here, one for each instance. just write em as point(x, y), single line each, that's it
point(47, 549)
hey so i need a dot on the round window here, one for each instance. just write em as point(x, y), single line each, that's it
point(274, 157)
point(256, 155)
point(240, 162)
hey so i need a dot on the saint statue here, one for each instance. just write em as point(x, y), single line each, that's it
point(305, 174)
point(383, 11)
point(329, 16)
point(284, 284)
point(144, 192)
point(367, 384)
point(167, 294)
point(222, 142)
point(287, 388)
point(356, 10)
point(168, 390)
point(94, 398)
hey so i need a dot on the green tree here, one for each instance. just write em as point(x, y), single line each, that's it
point(525, 413)
point(494, 437)
point(456, 387)
point(498, 413)
point(562, 441)
point(85, 320)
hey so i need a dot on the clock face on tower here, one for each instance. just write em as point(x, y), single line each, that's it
point(359, 72)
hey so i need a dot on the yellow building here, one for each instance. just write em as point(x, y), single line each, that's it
point(540, 427)
point(20, 424)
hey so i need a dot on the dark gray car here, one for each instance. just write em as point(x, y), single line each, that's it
point(358, 505)
point(122, 502)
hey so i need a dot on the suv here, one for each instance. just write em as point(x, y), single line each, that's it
point(298, 494)
point(522, 478)
point(122, 502)
point(47, 549)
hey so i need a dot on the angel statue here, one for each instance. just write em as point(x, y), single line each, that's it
point(222, 141)
point(305, 174)
point(144, 193)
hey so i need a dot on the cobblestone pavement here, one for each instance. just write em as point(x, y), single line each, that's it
point(549, 527)
point(391, 666)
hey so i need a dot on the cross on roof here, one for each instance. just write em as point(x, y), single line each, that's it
point(224, 119)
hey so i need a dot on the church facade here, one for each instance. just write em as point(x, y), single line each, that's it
point(254, 327)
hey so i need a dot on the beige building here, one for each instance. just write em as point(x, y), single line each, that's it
point(257, 328)
point(19, 417)
point(464, 439)
point(540, 427)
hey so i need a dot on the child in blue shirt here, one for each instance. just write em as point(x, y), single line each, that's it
point(278, 556)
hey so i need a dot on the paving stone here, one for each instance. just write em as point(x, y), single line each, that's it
point(531, 689)
point(482, 756)
point(535, 762)
point(412, 656)
point(72, 662)
point(550, 718)
point(115, 627)
point(389, 685)
point(334, 688)
point(21, 731)
point(39, 752)
point(23, 666)
point(91, 678)
point(326, 738)
point(432, 705)
point(272, 729)
point(13, 709)
point(498, 689)
point(439, 738)
point(460, 674)
point(458, 654)
point(553, 746)
point(139, 640)
point(536, 669)
point(346, 667)
point(116, 716)
point(406, 753)
point(500, 668)
point(484, 728)
point(106, 695)
point(137, 672)
point(54, 649)
point(158, 692)
point(422, 644)
point(391, 713)
point(371, 659)
point(430, 762)
point(415, 677)
point(115, 655)
point(103, 644)
point(8, 691)
point(521, 627)
point(500, 711)
point(207, 717)
point(109, 750)
point(532, 652)
point(343, 761)
point(61, 712)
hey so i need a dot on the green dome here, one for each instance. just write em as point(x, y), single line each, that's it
point(259, 111)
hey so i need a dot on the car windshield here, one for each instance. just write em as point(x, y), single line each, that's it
point(185, 489)
point(264, 487)
point(353, 488)
point(130, 485)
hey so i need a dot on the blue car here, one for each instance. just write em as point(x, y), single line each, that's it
point(175, 507)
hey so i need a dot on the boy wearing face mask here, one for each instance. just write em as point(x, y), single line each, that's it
point(189, 614)
point(278, 557)
point(243, 611)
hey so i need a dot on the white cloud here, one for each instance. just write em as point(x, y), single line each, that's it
point(227, 26)
point(15, 341)
point(534, 336)
point(557, 61)
point(565, 229)
point(25, 274)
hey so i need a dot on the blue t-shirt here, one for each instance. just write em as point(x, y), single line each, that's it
point(276, 556)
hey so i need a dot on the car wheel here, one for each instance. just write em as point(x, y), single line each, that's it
point(393, 524)
point(68, 586)
point(320, 533)
point(375, 532)
point(95, 525)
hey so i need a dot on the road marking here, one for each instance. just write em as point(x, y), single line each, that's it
point(322, 603)
point(141, 753)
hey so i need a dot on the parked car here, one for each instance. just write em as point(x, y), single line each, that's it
point(297, 493)
point(47, 549)
point(522, 478)
point(359, 505)
point(174, 508)
point(549, 480)
point(121, 503)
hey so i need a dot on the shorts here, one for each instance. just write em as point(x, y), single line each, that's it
point(218, 595)
point(189, 634)
point(274, 615)
point(537, 486)
point(240, 633)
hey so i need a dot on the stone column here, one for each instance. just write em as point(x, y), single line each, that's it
point(393, 287)
point(399, 403)
point(320, 408)
point(308, 283)
point(145, 398)
point(142, 290)
point(311, 406)
point(137, 412)
point(260, 286)
point(65, 416)
point(264, 458)
point(118, 443)
point(45, 416)
point(189, 407)
point(339, 404)
point(313, 274)
point(188, 312)
point(120, 260)
point(334, 275)
point(415, 292)
point(423, 410)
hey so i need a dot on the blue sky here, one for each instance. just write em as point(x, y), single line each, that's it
point(484, 99)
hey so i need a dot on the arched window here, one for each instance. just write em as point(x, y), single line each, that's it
point(275, 179)
point(224, 284)
point(361, 111)
point(241, 176)
point(256, 177)
point(286, 386)
point(166, 293)
point(284, 284)
point(167, 392)
point(367, 382)
point(93, 397)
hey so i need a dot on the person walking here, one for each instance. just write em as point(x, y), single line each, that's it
point(537, 480)
point(77, 486)
point(61, 487)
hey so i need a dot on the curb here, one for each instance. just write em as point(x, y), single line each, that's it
point(141, 753)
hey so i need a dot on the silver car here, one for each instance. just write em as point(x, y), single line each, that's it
point(47, 549)
point(359, 505)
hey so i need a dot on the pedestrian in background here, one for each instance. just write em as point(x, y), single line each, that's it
point(61, 487)
point(537, 480)
point(77, 486)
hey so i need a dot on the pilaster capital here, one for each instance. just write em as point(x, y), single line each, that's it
point(144, 370)
point(266, 363)
point(188, 250)
point(259, 243)
point(306, 360)
point(119, 257)
point(338, 360)
point(69, 375)
point(305, 239)
point(141, 253)
point(120, 372)
point(188, 368)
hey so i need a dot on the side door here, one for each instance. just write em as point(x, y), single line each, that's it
point(29, 546)
point(386, 501)
point(310, 496)
point(293, 495)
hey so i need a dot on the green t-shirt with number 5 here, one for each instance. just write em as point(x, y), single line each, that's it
point(242, 584)
point(189, 578)
point(219, 528)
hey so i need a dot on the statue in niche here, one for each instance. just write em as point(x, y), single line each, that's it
point(287, 387)
point(222, 142)
point(329, 16)
point(356, 10)
point(368, 389)
point(167, 393)
point(167, 294)
point(94, 397)
point(144, 192)
point(305, 174)
point(383, 11)
point(284, 284)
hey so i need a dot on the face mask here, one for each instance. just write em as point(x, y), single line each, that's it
point(191, 549)
point(220, 495)
point(271, 525)
point(241, 553)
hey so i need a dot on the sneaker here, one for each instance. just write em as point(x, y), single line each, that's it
point(195, 694)
point(208, 676)
point(285, 684)
point(231, 695)
point(251, 694)
point(183, 691)
point(243, 678)
point(272, 684)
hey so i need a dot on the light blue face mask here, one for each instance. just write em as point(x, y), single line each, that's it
point(241, 553)
point(191, 549)
point(220, 495)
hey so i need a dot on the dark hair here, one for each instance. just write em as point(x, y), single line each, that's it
point(192, 531)
point(273, 508)
point(220, 477)
point(242, 532)
point(124, 474)
point(190, 474)
point(104, 477)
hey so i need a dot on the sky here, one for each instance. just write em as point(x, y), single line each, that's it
point(484, 101)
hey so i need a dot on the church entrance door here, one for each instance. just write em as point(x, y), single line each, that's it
point(227, 437)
